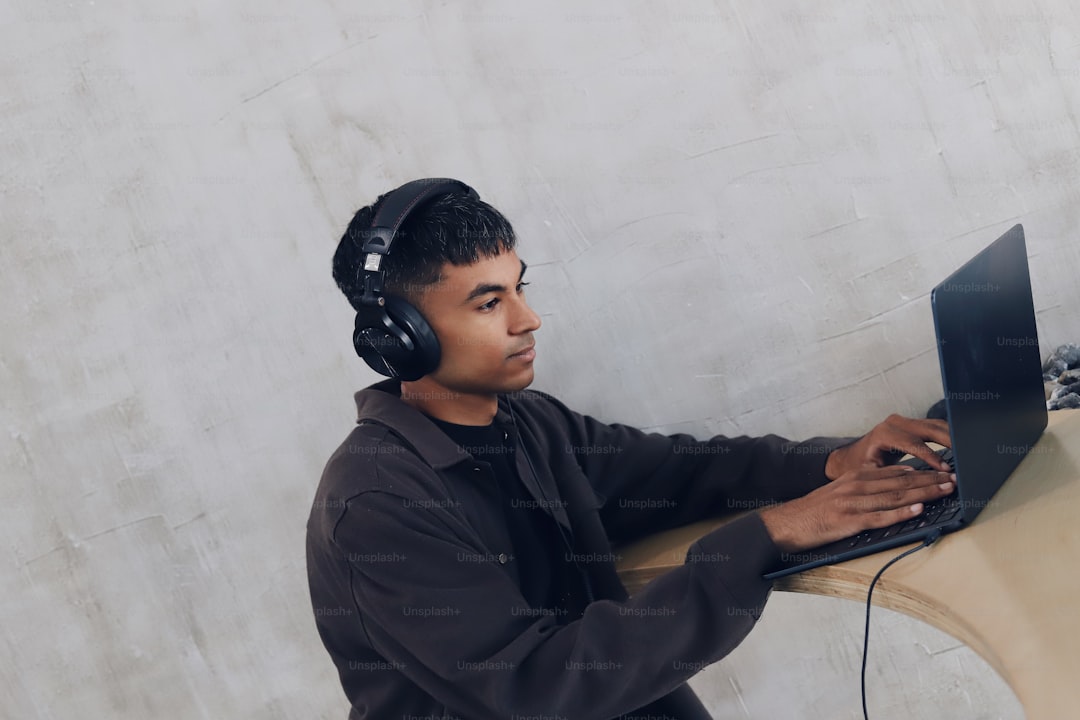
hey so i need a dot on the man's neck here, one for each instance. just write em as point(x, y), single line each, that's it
point(448, 405)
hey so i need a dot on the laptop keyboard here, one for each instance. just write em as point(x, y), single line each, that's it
point(936, 511)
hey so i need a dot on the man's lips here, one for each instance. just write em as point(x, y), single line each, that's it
point(526, 352)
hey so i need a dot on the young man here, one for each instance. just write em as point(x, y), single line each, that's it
point(460, 542)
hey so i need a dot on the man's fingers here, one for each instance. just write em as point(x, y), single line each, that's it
point(895, 476)
point(910, 480)
point(909, 435)
point(895, 434)
point(872, 472)
point(936, 431)
point(926, 429)
point(896, 492)
point(875, 490)
point(924, 453)
point(885, 518)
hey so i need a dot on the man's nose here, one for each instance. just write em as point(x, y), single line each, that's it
point(527, 320)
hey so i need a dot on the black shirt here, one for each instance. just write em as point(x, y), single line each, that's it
point(548, 578)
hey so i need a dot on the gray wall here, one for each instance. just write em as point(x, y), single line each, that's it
point(733, 214)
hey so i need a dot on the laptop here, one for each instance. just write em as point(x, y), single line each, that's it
point(991, 372)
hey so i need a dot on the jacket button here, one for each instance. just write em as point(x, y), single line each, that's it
point(506, 435)
point(502, 558)
point(476, 468)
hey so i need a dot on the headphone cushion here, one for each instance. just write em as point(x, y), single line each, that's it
point(384, 351)
point(427, 353)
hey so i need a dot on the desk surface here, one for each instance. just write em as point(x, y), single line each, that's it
point(1008, 586)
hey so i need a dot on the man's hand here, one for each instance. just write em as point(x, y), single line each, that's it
point(869, 497)
point(880, 446)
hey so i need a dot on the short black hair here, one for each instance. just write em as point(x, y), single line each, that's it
point(452, 228)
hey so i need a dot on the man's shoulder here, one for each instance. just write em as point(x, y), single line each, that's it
point(372, 458)
point(372, 461)
point(368, 459)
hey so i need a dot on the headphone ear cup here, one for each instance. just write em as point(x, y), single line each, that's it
point(377, 338)
point(373, 342)
point(426, 352)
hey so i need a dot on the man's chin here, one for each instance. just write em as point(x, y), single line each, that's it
point(513, 386)
point(521, 385)
point(508, 385)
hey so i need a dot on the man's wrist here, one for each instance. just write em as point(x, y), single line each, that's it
point(777, 527)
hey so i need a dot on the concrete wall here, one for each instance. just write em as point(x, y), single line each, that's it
point(733, 213)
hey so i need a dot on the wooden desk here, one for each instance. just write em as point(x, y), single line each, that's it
point(1008, 586)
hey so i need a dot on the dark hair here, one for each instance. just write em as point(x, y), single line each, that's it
point(452, 228)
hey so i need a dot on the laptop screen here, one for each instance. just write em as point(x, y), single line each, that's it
point(990, 367)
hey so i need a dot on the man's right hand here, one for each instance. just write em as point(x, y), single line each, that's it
point(858, 500)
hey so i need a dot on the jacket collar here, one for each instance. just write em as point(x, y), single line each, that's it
point(382, 403)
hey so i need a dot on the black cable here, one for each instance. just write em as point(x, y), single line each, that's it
point(930, 540)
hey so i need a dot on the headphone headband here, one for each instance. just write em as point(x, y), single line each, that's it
point(389, 218)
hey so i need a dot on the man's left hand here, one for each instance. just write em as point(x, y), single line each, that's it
point(889, 441)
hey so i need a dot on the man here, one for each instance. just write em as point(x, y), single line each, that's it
point(460, 545)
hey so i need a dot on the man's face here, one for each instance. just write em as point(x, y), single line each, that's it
point(481, 318)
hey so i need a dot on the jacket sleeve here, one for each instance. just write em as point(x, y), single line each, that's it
point(650, 482)
point(449, 618)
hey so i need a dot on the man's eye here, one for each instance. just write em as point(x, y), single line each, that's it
point(490, 304)
point(521, 285)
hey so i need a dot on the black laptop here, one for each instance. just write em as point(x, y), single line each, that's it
point(991, 372)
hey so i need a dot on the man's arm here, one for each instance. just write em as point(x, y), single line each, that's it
point(454, 622)
point(650, 482)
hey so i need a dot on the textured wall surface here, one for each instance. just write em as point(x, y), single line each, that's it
point(733, 214)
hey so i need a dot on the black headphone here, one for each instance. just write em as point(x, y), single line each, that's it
point(390, 334)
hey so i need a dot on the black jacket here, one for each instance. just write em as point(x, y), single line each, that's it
point(414, 585)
